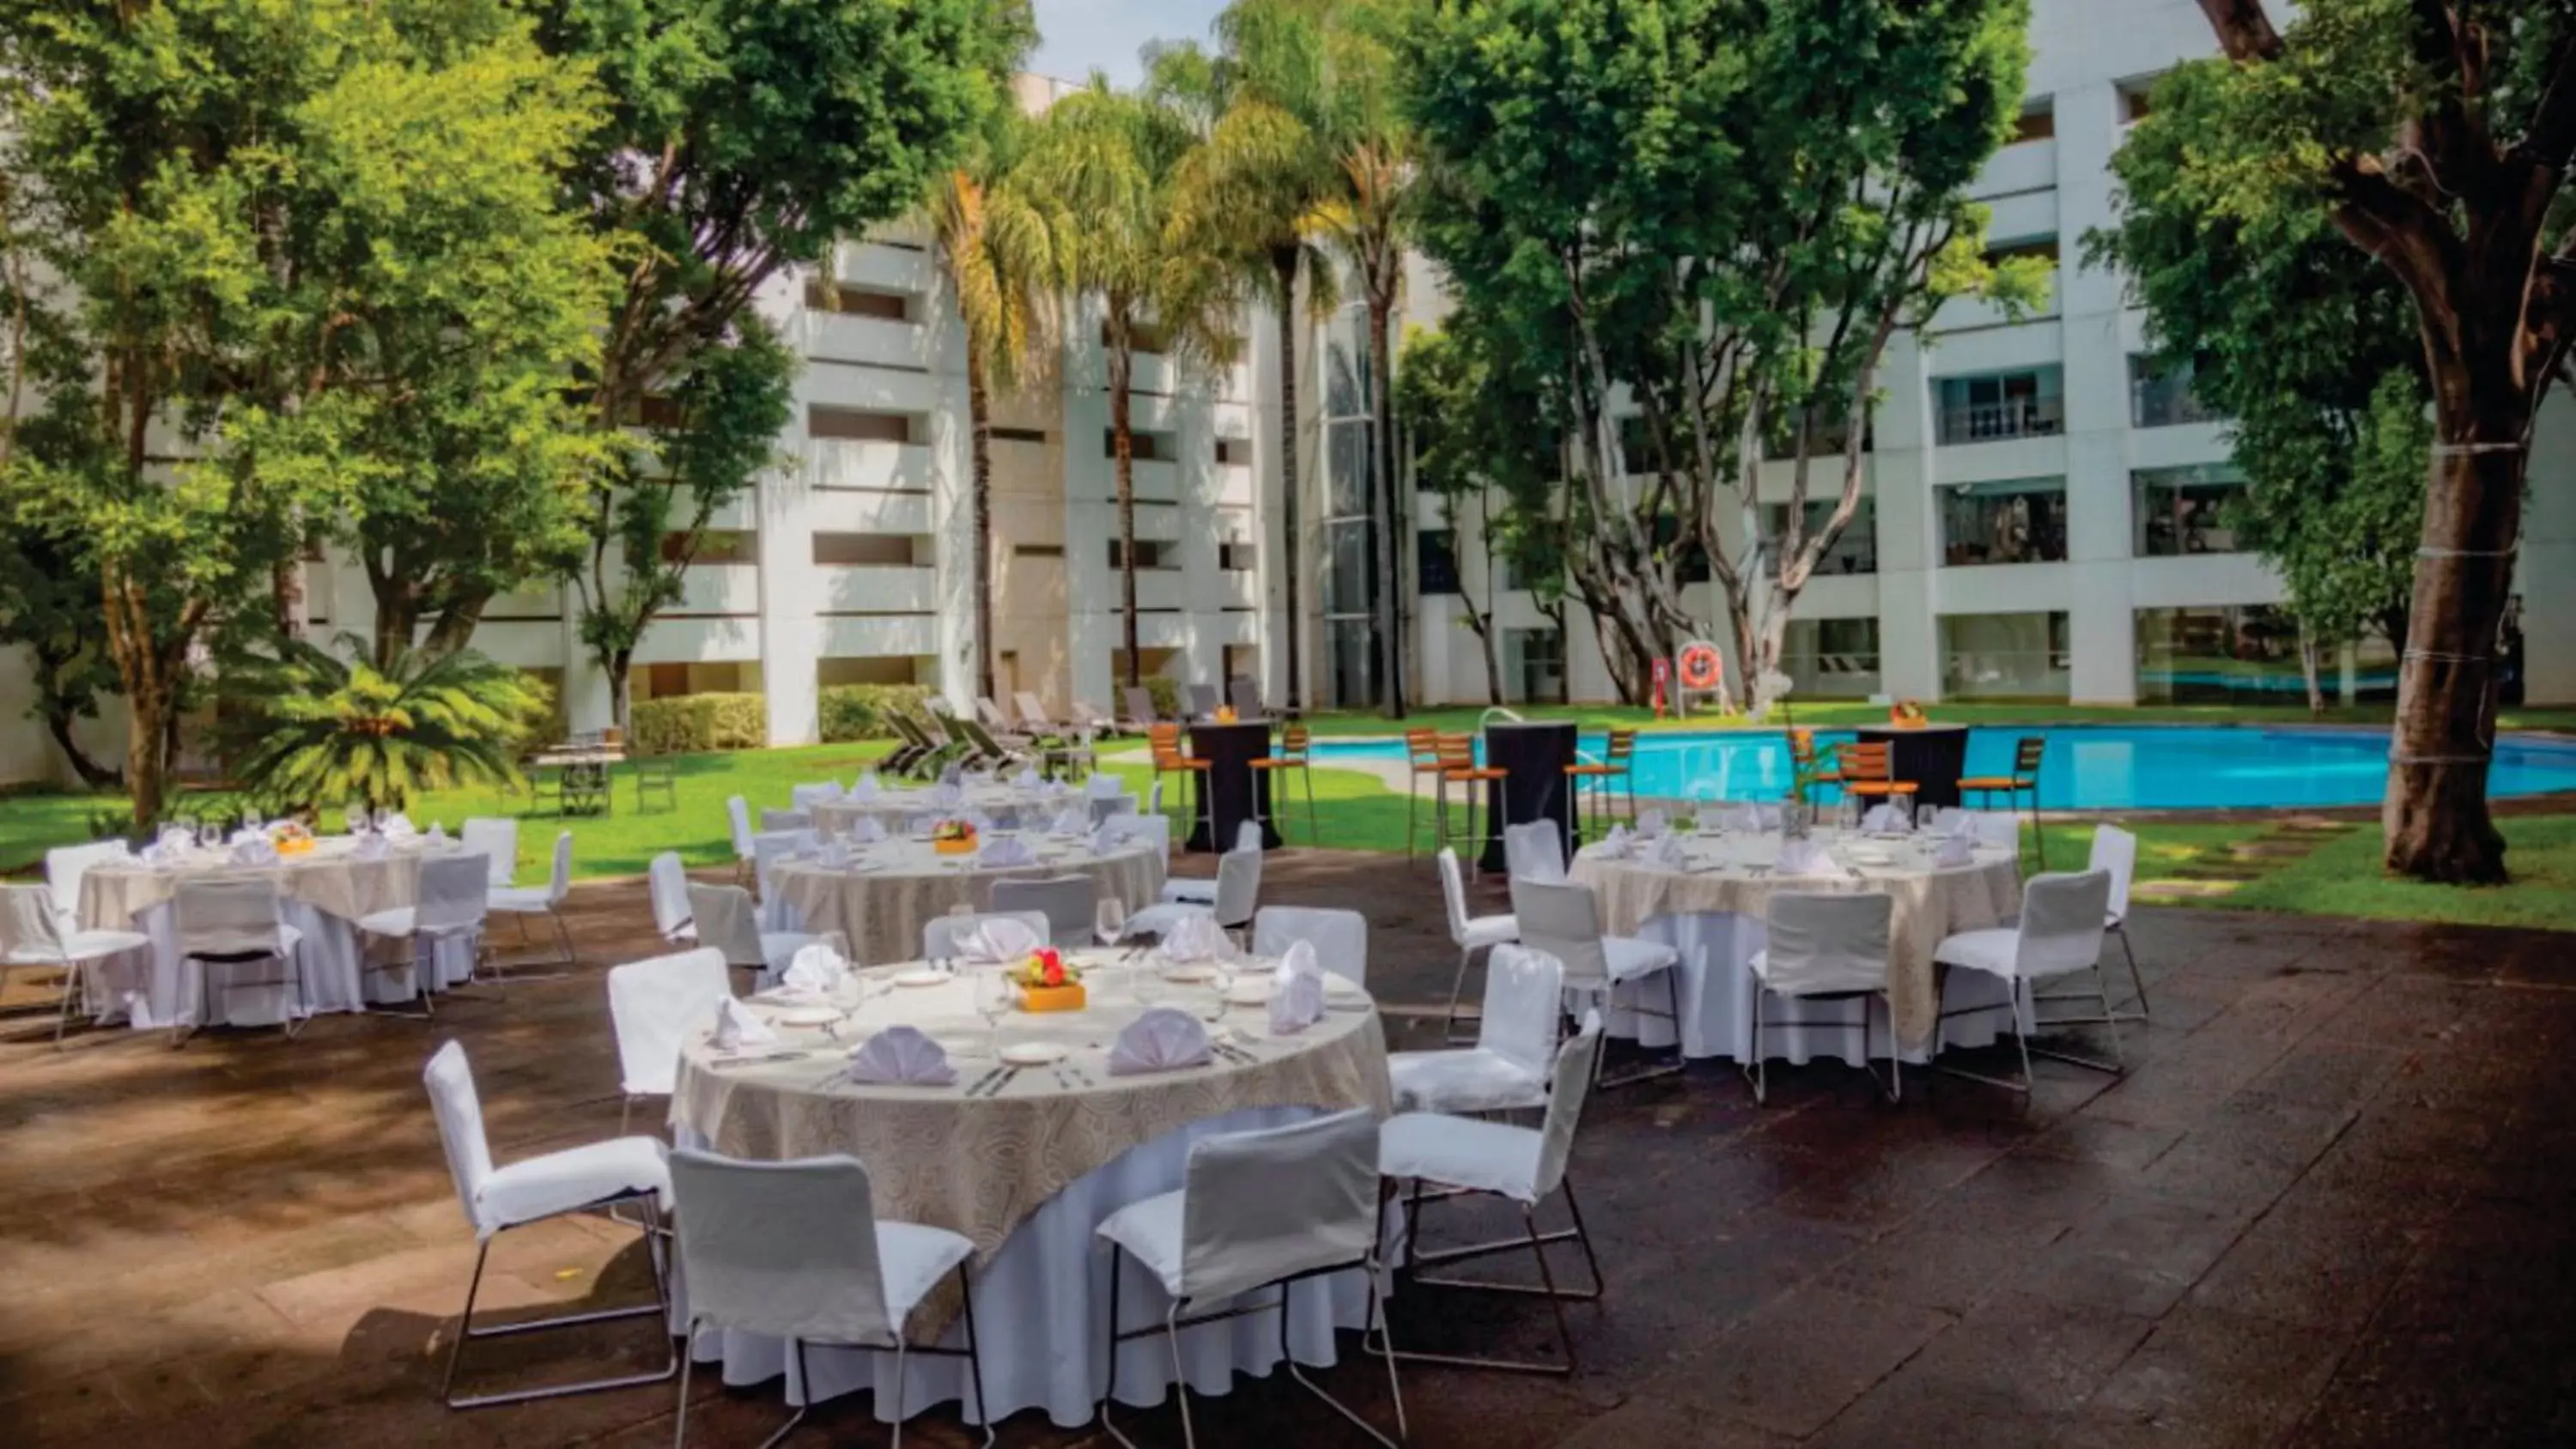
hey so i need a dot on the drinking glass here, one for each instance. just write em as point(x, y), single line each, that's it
point(993, 1002)
point(1109, 921)
point(1221, 987)
point(1146, 981)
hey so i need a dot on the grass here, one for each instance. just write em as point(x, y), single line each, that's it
point(1462, 719)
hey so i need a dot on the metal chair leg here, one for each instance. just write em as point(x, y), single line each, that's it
point(659, 1308)
point(1289, 1357)
point(1457, 994)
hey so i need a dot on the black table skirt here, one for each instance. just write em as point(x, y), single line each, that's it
point(1932, 756)
point(1537, 788)
point(1228, 790)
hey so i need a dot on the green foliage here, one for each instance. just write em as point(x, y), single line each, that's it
point(858, 711)
point(695, 723)
point(316, 730)
point(1166, 694)
point(2300, 338)
point(49, 607)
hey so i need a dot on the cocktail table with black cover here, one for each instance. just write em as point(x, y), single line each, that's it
point(1535, 787)
point(1933, 756)
point(1231, 787)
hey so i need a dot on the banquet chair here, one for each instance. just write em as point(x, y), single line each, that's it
point(1507, 1069)
point(1469, 934)
point(2060, 934)
point(1153, 825)
point(653, 1004)
point(66, 867)
point(1462, 1156)
point(940, 934)
point(666, 885)
point(547, 901)
point(590, 1178)
point(768, 848)
point(1421, 757)
point(1564, 920)
point(2115, 853)
point(774, 821)
point(454, 900)
point(1277, 1205)
point(1458, 767)
point(1237, 898)
point(1067, 901)
point(738, 813)
point(1535, 849)
point(1824, 946)
point(32, 938)
point(726, 919)
point(1105, 808)
point(2020, 785)
point(806, 797)
point(1201, 890)
point(496, 839)
point(795, 1250)
point(1295, 759)
point(1340, 937)
point(226, 921)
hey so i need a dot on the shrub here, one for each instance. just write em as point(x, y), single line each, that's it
point(1167, 696)
point(690, 724)
point(858, 711)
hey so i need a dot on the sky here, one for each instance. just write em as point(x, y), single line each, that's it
point(1075, 37)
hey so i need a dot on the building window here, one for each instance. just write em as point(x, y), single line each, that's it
point(2020, 520)
point(2247, 654)
point(1854, 552)
point(2042, 247)
point(1235, 556)
point(1143, 447)
point(1435, 561)
point(2000, 406)
point(1040, 550)
point(2004, 656)
point(715, 546)
point(857, 424)
point(2183, 510)
point(2134, 101)
point(850, 301)
point(1230, 451)
point(1831, 658)
point(1151, 553)
point(867, 550)
point(1535, 660)
point(1019, 435)
point(2038, 122)
point(1141, 336)
point(2163, 399)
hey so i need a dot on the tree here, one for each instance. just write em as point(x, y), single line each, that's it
point(1714, 213)
point(2437, 138)
point(1005, 265)
point(318, 730)
point(745, 138)
point(1111, 162)
point(2306, 344)
point(49, 607)
point(222, 198)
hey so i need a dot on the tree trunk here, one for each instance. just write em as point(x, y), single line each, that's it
point(456, 624)
point(1382, 449)
point(397, 614)
point(2308, 673)
point(979, 414)
point(58, 722)
point(1123, 446)
point(2435, 814)
point(147, 743)
point(286, 595)
point(620, 667)
point(1283, 260)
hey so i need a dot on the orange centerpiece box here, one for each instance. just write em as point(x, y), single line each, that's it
point(953, 837)
point(1047, 983)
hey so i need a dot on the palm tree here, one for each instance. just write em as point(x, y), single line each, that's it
point(1246, 195)
point(1005, 263)
point(1112, 160)
point(321, 729)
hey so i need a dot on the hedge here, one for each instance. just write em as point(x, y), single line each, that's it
point(857, 711)
point(693, 723)
point(1166, 692)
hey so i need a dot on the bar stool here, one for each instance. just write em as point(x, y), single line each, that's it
point(1296, 746)
point(1617, 765)
point(1869, 771)
point(1806, 770)
point(2024, 780)
point(1422, 757)
point(1458, 766)
point(1165, 742)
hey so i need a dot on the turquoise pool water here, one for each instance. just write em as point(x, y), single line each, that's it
point(2151, 767)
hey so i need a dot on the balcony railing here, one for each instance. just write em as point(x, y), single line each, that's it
point(2158, 404)
point(2027, 417)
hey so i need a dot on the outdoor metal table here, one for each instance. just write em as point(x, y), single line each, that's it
point(1230, 789)
point(1933, 756)
point(1536, 787)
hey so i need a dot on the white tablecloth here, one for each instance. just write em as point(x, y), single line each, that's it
point(888, 891)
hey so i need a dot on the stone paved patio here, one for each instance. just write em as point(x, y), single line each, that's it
point(2330, 1208)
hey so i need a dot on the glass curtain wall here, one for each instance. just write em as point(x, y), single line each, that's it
point(1831, 658)
point(2248, 654)
point(2004, 656)
point(2183, 510)
point(1351, 673)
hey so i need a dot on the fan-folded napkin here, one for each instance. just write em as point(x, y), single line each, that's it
point(1806, 857)
point(1618, 843)
point(1162, 1040)
point(1005, 850)
point(1882, 818)
point(258, 850)
point(738, 1026)
point(867, 787)
point(817, 970)
point(902, 1054)
point(868, 831)
point(1297, 1000)
point(1072, 822)
point(1026, 779)
point(1955, 850)
point(1195, 937)
point(1650, 823)
point(398, 826)
point(997, 940)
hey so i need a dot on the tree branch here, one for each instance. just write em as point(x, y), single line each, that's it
point(2244, 31)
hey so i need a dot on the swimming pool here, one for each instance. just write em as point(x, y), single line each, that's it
point(2089, 767)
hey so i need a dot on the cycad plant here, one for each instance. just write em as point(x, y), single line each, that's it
point(319, 729)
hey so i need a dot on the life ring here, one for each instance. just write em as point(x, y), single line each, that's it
point(1700, 666)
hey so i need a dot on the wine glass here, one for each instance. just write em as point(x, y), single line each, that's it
point(993, 1002)
point(1109, 921)
point(1147, 983)
point(1221, 988)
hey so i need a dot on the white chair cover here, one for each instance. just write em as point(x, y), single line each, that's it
point(653, 1004)
point(794, 1249)
point(1067, 901)
point(772, 846)
point(941, 936)
point(1535, 849)
point(459, 1110)
point(1105, 808)
point(496, 838)
point(727, 921)
point(1575, 1063)
point(2062, 915)
point(1524, 992)
point(1985, 827)
point(455, 894)
point(1238, 886)
point(218, 918)
point(1453, 888)
point(666, 882)
point(738, 812)
point(2115, 853)
point(1563, 919)
point(1154, 825)
point(65, 866)
point(1260, 1206)
point(1825, 942)
point(776, 820)
point(1340, 938)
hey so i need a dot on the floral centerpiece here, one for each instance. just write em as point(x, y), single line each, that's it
point(1048, 982)
point(1225, 714)
point(1906, 713)
point(953, 837)
point(291, 837)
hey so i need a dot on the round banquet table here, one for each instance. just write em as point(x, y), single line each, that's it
point(880, 900)
point(322, 894)
point(1028, 1172)
point(897, 809)
point(1536, 787)
point(1230, 790)
point(1711, 908)
point(1933, 756)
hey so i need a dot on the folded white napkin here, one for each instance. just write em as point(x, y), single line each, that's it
point(175, 838)
point(836, 852)
point(902, 1054)
point(373, 847)
point(1960, 823)
point(1195, 937)
point(1072, 822)
point(997, 941)
point(1105, 840)
point(1882, 817)
point(437, 833)
point(157, 855)
point(1004, 850)
point(1026, 779)
point(1650, 823)
point(817, 970)
point(1954, 850)
point(1806, 857)
point(1297, 1004)
point(398, 826)
point(1618, 843)
point(738, 1026)
point(868, 831)
point(1162, 1040)
point(258, 850)
point(1298, 960)
point(1104, 787)
point(1669, 853)
point(245, 835)
point(867, 787)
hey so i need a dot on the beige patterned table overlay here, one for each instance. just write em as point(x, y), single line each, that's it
point(333, 879)
point(880, 901)
point(1722, 876)
point(897, 809)
point(981, 1165)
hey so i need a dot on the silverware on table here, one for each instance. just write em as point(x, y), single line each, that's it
point(978, 1084)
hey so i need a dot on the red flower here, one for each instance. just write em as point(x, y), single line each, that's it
point(1054, 973)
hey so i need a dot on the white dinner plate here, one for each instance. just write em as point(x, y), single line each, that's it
point(1250, 990)
point(921, 976)
point(802, 1015)
point(1190, 974)
point(1032, 1053)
